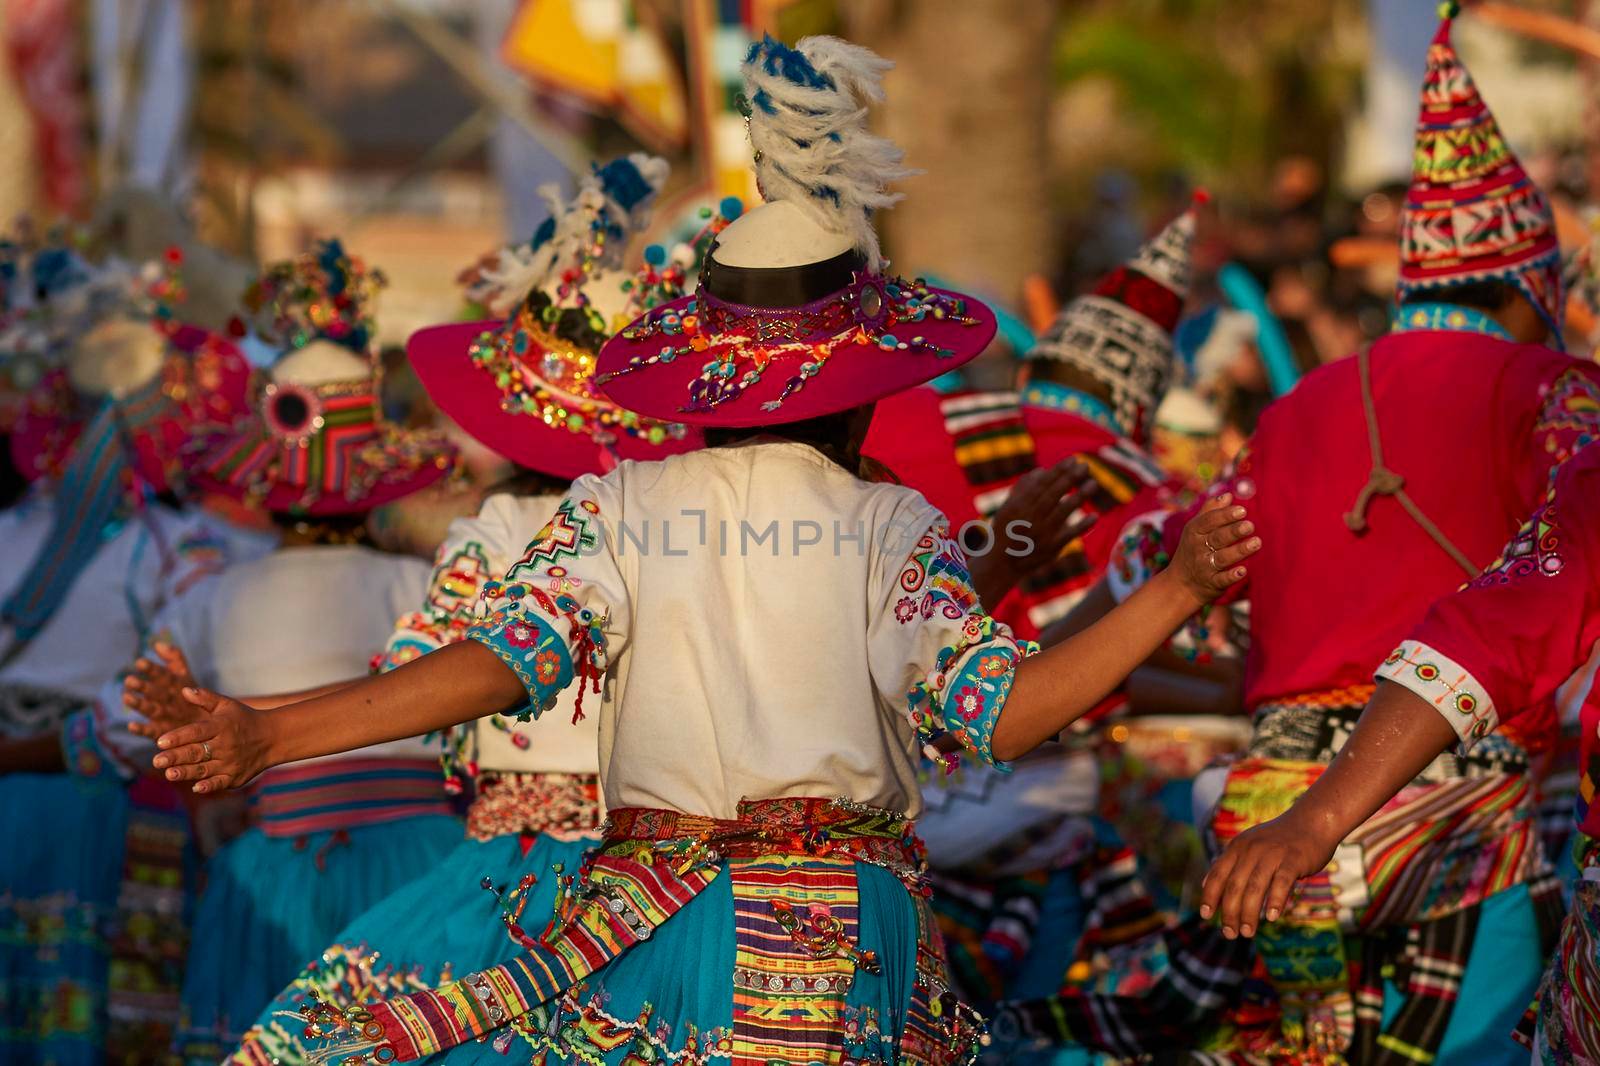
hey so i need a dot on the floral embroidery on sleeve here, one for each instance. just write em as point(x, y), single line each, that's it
point(533, 621)
point(935, 578)
point(1569, 419)
point(1536, 549)
point(458, 580)
point(966, 689)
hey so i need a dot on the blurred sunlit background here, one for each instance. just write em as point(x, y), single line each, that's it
point(1054, 135)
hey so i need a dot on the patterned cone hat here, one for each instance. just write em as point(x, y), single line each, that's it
point(317, 444)
point(1472, 213)
point(523, 385)
point(1120, 335)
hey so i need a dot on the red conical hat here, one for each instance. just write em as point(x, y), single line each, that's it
point(1472, 213)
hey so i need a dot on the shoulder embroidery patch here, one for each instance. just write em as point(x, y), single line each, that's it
point(1536, 549)
point(570, 534)
point(935, 578)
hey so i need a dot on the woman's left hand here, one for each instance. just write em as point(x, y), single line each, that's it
point(227, 748)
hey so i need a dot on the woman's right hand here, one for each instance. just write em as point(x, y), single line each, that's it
point(227, 748)
point(154, 689)
point(1212, 547)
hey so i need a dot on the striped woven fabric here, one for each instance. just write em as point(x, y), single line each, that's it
point(789, 985)
point(1429, 857)
point(994, 448)
point(649, 868)
point(323, 797)
point(325, 463)
point(991, 443)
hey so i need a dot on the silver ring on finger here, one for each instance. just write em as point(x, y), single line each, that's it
point(205, 746)
point(1213, 558)
point(1210, 547)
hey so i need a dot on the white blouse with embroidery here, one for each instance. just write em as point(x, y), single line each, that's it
point(296, 619)
point(144, 562)
point(477, 550)
point(767, 625)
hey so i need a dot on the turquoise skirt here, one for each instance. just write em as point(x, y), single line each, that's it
point(60, 874)
point(438, 926)
point(670, 998)
point(271, 902)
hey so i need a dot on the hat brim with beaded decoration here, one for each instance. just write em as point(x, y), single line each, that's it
point(524, 385)
point(1472, 213)
point(794, 317)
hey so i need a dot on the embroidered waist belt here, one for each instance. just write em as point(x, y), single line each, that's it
point(324, 797)
point(796, 915)
point(796, 827)
point(533, 803)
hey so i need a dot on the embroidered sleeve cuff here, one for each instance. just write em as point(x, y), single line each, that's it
point(1447, 685)
point(966, 691)
point(532, 649)
point(85, 753)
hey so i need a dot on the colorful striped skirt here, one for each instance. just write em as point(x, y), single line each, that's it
point(798, 932)
point(1442, 897)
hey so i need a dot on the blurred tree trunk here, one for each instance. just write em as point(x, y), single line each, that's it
point(968, 101)
point(1589, 77)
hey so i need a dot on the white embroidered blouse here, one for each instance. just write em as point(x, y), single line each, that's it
point(767, 625)
point(475, 551)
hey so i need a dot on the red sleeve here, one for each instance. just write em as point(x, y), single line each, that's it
point(1512, 636)
point(1568, 419)
point(1239, 479)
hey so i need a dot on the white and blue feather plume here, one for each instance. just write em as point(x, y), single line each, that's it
point(589, 233)
point(808, 126)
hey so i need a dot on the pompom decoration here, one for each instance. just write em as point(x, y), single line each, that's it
point(322, 294)
point(807, 109)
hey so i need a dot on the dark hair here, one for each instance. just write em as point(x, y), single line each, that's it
point(523, 481)
point(1482, 295)
point(1071, 376)
point(12, 483)
point(575, 325)
point(828, 434)
point(325, 529)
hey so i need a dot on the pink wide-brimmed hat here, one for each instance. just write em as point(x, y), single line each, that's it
point(524, 385)
point(794, 317)
point(316, 443)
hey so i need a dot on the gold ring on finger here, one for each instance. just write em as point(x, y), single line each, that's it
point(1213, 558)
